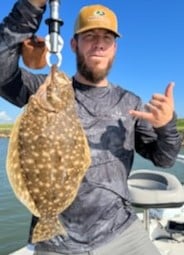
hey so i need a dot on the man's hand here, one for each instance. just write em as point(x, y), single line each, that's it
point(160, 108)
point(38, 3)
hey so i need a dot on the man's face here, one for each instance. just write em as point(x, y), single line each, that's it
point(95, 52)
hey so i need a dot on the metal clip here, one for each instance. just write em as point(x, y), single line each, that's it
point(54, 43)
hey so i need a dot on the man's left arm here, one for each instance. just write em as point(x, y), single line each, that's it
point(161, 143)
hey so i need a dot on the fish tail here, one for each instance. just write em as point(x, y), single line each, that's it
point(47, 228)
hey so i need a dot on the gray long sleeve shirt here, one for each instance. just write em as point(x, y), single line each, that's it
point(102, 207)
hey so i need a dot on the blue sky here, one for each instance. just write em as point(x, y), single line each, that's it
point(150, 53)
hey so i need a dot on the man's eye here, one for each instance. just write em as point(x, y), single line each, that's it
point(109, 37)
point(89, 36)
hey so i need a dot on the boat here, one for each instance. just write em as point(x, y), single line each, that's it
point(168, 241)
point(180, 158)
point(160, 195)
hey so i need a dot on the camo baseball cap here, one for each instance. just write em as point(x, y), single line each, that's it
point(96, 16)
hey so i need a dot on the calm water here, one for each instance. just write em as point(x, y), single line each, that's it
point(15, 218)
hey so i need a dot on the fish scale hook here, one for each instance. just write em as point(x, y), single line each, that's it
point(53, 40)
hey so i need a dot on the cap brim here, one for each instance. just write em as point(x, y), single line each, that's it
point(95, 27)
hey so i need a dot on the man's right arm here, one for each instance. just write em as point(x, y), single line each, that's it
point(17, 84)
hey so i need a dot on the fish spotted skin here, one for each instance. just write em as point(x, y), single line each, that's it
point(48, 154)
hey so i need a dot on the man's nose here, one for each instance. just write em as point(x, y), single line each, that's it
point(99, 42)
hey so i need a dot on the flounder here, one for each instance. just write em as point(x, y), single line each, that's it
point(48, 154)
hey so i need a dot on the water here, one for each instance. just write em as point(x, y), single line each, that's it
point(15, 218)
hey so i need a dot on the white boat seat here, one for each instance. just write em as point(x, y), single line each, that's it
point(155, 189)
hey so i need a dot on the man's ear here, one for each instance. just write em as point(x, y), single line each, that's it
point(73, 44)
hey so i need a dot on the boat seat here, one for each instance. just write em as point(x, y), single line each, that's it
point(154, 189)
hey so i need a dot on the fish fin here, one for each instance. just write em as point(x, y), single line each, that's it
point(46, 229)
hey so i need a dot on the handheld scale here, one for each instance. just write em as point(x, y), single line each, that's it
point(53, 40)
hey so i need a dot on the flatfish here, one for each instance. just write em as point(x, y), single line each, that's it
point(48, 154)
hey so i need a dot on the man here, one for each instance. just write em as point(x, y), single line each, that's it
point(101, 220)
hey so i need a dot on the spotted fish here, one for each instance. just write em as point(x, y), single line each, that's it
point(48, 154)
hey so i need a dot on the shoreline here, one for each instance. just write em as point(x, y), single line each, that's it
point(5, 134)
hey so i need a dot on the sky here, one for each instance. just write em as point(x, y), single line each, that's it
point(150, 52)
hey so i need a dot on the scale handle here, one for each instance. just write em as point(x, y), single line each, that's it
point(54, 23)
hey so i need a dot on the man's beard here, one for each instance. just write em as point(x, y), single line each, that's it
point(93, 75)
